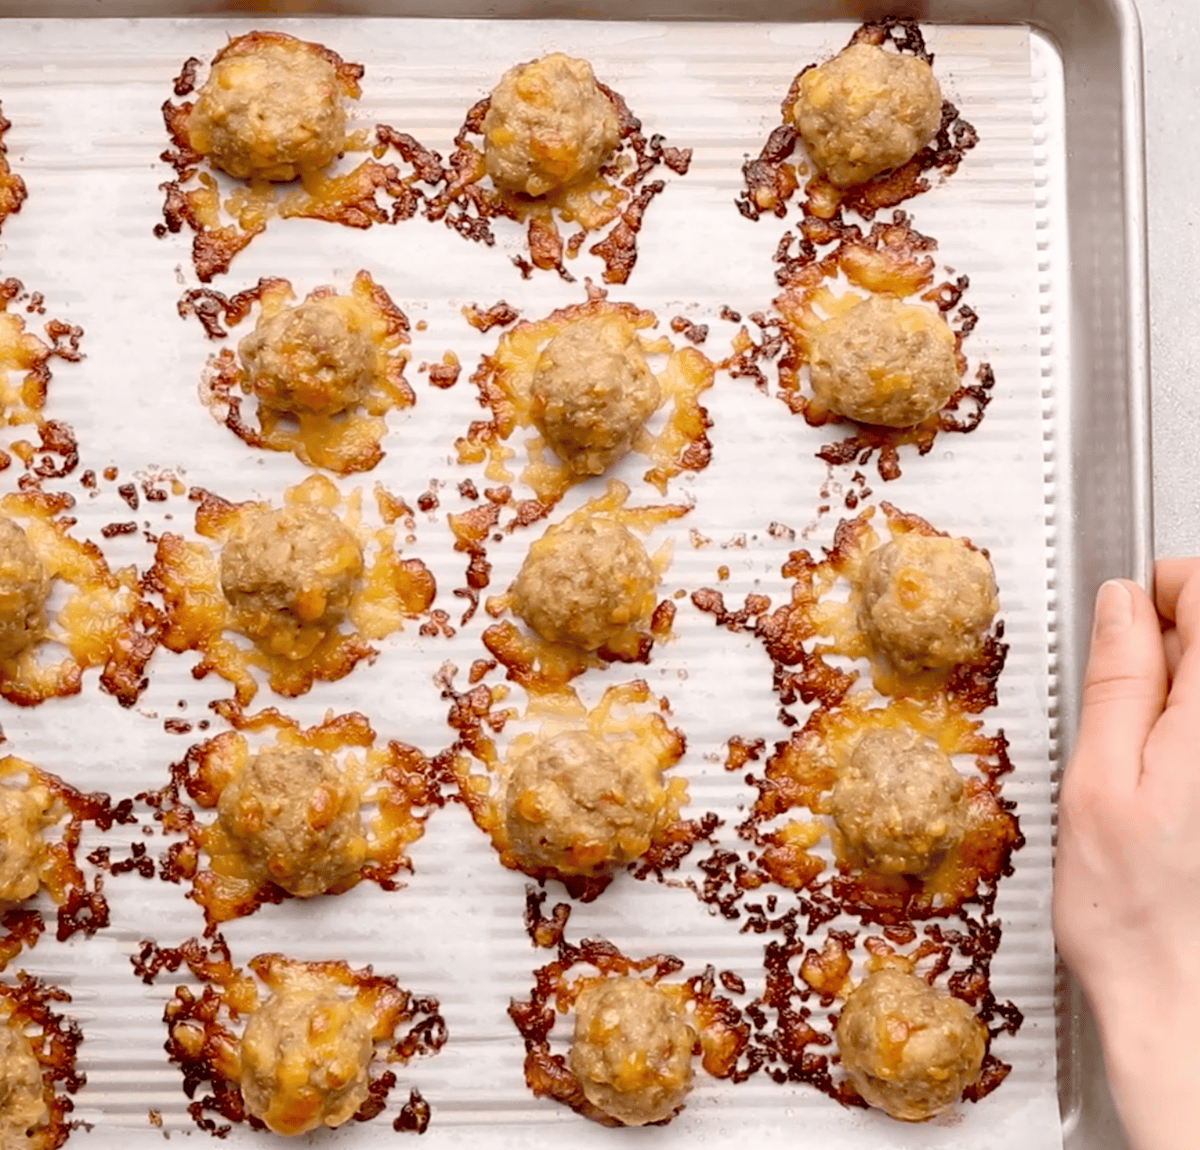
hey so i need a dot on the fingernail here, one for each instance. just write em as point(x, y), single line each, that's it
point(1114, 608)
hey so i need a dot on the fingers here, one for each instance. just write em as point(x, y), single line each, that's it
point(1124, 688)
point(1170, 578)
point(1173, 649)
point(1185, 684)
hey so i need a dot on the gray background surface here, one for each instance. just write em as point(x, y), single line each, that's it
point(1171, 29)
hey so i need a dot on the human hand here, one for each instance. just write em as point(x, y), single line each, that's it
point(1127, 874)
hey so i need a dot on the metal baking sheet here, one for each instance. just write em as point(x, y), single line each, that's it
point(93, 256)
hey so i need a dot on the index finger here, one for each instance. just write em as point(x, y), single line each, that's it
point(1170, 578)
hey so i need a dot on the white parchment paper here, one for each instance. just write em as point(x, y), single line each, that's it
point(84, 98)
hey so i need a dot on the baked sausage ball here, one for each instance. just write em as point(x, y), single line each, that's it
point(291, 574)
point(927, 602)
point(271, 109)
point(585, 583)
point(575, 804)
point(592, 391)
point(305, 1054)
point(898, 802)
point(884, 362)
point(907, 1048)
point(632, 1052)
point(22, 845)
point(22, 1101)
point(315, 358)
point(24, 590)
point(866, 111)
point(548, 126)
point(296, 819)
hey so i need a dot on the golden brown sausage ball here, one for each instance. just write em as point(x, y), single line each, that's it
point(22, 846)
point(316, 357)
point(548, 126)
point(866, 111)
point(291, 574)
point(897, 803)
point(907, 1048)
point(22, 1101)
point(305, 1059)
point(585, 583)
point(295, 817)
point(927, 602)
point(884, 362)
point(576, 804)
point(24, 590)
point(592, 392)
point(632, 1052)
point(270, 110)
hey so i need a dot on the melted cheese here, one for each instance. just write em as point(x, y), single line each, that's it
point(814, 614)
point(505, 380)
point(43, 819)
point(346, 442)
point(224, 228)
point(204, 1038)
point(394, 784)
point(591, 204)
point(547, 668)
point(891, 259)
point(99, 625)
point(804, 308)
point(627, 715)
point(25, 359)
point(38, 1054)
point(27, 809)
point(12, 187)
point(22, 392)
point(802, 772)
point(721, 1031)
point(197, 615)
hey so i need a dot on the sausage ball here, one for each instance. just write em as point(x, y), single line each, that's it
point(296, 819)
point(906, 1048)
point(866, 111)
point(22, 1100)
point(22, 845)
point(271, 109)
point(305, 1053)
point(548, 126)
point(898, 803)
point(632, 1052)
point(927, 602)
point(24, 589)
point(884, 362)
point(291, 574)
point(316, 358)
point(592, 391)
point(575, 804)
point(585, 583)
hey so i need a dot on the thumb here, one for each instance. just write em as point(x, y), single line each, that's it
point(1124, 689)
